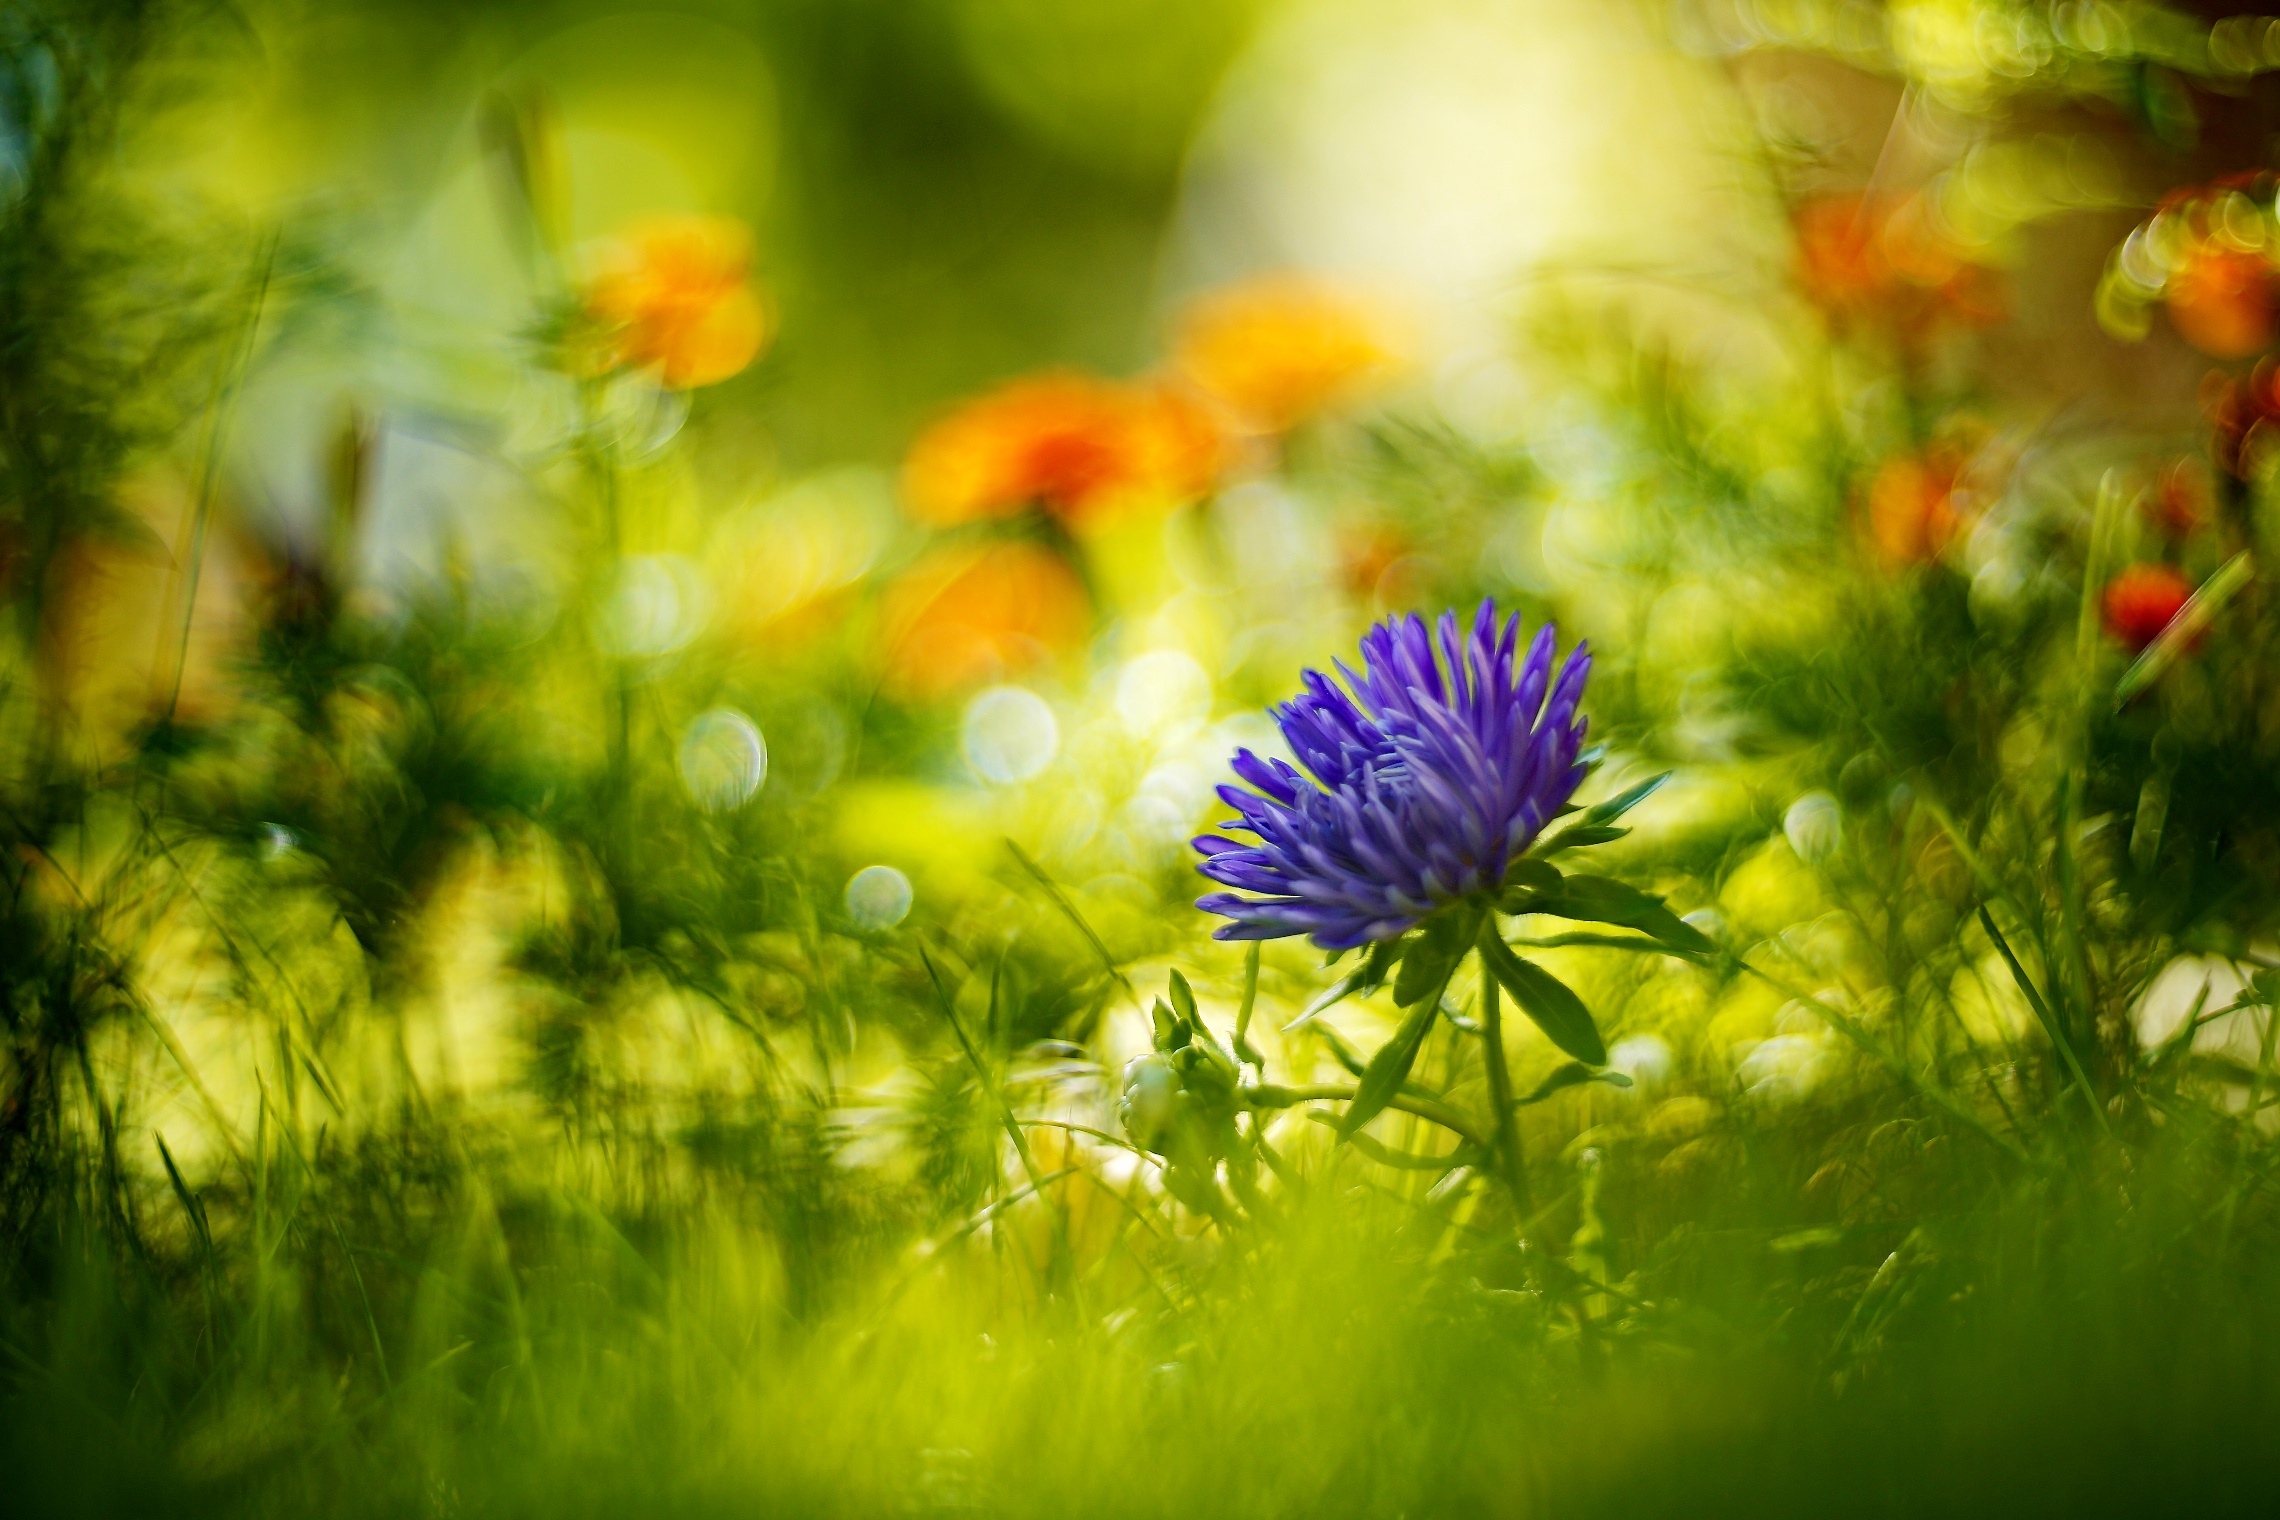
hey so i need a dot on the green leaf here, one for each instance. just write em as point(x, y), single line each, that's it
point(1183, 998)
point(1546, 999)
point(1379, 963)
point(1363, 979)
point(1616, 806)
point(2191, 621)
point(1572, 1074)
point(1386, 1155)
point(1169, 1035)
point(1389, 1068)
point(1539, 876)
point(1434, 955)
point(1638, 944)
point(1341, 1052)
point(1425, 971)
point(1604, 900)
point(1243, 1046)
point(182, 1194)
point(1577, 838)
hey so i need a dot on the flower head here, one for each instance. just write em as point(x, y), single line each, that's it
point(2246, 411)
point(1277, 350)
point(1918, 504)
point(1891, 261)
point(965, 615)
point(2223, 302)
point(1429, 777)
point(2209, 256)
point(673, 296)
point(2185, 502)
point(1081, 448)
point(2142, 601)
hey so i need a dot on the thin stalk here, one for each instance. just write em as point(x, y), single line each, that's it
point(1062, 1251)
point(1270, 1095)
point(226, 387)
point(2050, 1023)
point(1509, 1160)
point(1873, 1048)
point(1069, 911)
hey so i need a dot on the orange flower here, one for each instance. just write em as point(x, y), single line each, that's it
point(1083, 449)
point(674, 296)
point(963, 616)
point(2142, 601)
point(1913, 511)
point(2184, 502)
point(1277, 350)
point(1862, 258)
point(1377, 562)
point(2222, 301)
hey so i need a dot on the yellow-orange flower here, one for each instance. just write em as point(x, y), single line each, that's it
point(1275, 351)
point(1913, 507)
point(674, 295)
point(967, 615)
point(1081, 448)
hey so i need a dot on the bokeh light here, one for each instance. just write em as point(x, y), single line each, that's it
point(878, 897)
point(723, 760)
point(1009, 734)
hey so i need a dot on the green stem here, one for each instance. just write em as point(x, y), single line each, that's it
point(1509, 1159)
point(1064, 1255)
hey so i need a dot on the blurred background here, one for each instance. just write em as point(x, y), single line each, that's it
point(618, 622)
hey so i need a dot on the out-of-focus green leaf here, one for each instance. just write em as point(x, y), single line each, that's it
point(1621, 803)
point(1638, 944)
point(1582, 835)
point(1572, 1074)
point(1604, 900)
point(2185, 629)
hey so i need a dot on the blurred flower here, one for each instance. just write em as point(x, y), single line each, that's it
point(1422, 791)
point(2222, 301)
point(2245, 409)
point(1085, 450)
point(673, 295)
point(1914, 505)
point(1275, 351)
point(1376, 562)
point(2207, 254)
point(2183, 503)
point(1886, 260)
point(2142, 600)
point(967, 615)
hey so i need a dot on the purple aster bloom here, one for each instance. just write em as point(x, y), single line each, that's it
point(1430, 776)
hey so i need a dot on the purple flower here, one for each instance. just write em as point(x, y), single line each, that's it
point(1428, 779)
